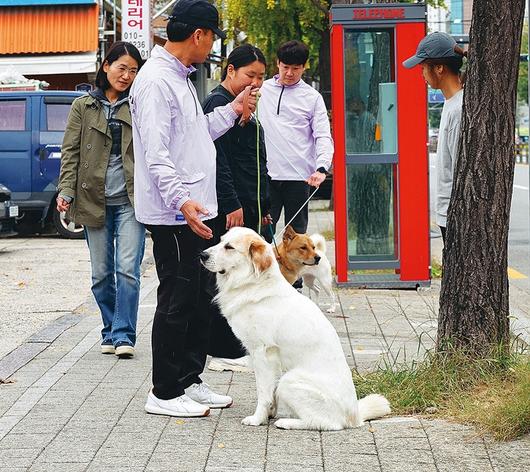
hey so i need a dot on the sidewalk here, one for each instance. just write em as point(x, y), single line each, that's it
point(71, 408)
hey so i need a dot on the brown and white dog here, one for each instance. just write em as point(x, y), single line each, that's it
point(301, 255)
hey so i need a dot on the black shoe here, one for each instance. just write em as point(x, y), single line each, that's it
point(299, 284)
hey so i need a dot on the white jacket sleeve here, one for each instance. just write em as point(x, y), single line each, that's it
point(152, 112)
point(322, 134)
point(220, 120)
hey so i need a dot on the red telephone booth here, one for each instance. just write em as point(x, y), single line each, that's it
point(380, 171)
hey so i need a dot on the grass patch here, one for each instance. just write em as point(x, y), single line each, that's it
point(491, 393)
point(329, 234)
point(436, 269)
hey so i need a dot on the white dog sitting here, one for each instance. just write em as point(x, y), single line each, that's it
point(296, 353)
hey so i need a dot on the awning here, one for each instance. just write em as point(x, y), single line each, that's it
point(47, 29)
point(51, 64)
point(21, 3)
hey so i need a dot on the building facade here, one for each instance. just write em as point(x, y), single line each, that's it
point(51, 40)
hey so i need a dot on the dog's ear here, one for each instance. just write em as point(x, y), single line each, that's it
point(289, 233)
point(258, 253)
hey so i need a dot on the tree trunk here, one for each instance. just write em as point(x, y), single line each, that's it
point(324, 67)
point(474, 302)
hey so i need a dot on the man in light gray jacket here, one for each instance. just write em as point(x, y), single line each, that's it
point(441, 59)
point(175, 197)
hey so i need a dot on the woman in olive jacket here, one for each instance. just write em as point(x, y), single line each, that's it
point(96, 189)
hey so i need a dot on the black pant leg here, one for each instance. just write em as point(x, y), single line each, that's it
point(222, 341)
point(181, 321)
point(295, 193)
point(251, 217)
point(276, 202)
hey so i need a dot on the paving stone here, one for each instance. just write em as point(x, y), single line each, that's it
point(66, 454)
point(59, 467)
point(111, 458)
point(19, 357)
point(240, 468)
point(352, 462)
point(412, 459)
point(294, 456)
point(53, 330)
point(15, 457)
point(102, 467)
point(235, 459)
point(512, 456)
point(280, 467)
point(25, 441)
point(167, 463)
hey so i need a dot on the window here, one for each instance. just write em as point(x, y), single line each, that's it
point(371, 113)
point(57, 115)
point(12, 115)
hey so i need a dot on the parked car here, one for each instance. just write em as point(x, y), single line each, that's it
point(32, 126)
point(8, 213)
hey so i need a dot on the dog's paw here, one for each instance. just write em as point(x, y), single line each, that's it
point(289, 423)
point(252, 421)
point(331, 309)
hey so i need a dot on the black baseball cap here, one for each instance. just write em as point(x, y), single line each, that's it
point(199, 13)
point(434, 46)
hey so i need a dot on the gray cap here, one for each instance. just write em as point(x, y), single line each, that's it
point(433, 46)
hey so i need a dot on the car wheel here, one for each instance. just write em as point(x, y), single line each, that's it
point(66, 227)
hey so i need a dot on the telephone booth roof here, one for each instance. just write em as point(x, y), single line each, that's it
point(377, 13)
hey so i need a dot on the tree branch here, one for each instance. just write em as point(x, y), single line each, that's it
point(319, 6)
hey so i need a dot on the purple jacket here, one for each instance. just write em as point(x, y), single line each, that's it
point(173, 142)
point(297, 131)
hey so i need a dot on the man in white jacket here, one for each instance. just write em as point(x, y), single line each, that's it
point(297, 135)
point(175, 197)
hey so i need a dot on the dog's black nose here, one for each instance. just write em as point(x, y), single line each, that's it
point(204, 256)
point(317, 259)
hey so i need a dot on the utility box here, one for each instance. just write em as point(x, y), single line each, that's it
point(380, 171)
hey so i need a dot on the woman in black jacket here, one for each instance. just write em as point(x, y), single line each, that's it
point(237, 176)
point(237, 183)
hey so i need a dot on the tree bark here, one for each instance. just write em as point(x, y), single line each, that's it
point(324, 67)
point(474, 302)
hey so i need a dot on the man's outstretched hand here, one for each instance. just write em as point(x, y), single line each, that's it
point(192, 211)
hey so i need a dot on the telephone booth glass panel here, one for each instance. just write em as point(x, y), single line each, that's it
point(371, 145)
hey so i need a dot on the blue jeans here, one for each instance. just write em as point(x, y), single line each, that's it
point(116, 252)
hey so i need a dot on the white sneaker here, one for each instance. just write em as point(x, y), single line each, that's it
point(202, 394)
point(124, 351)
point(182, 406)
point(107, 349)
point(241, 364)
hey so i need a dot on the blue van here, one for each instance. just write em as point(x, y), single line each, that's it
point(32, 126)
